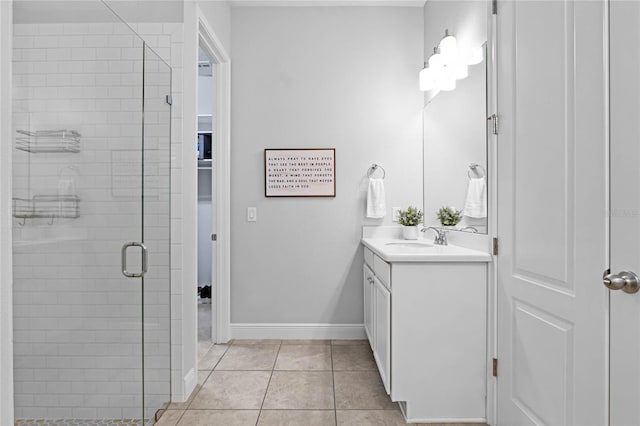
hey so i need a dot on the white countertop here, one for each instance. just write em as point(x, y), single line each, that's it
point(435, 253)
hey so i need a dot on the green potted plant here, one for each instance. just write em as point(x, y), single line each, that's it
point(410, 219)
point(449, 216)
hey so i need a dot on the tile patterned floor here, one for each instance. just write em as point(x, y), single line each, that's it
point(77, 422)
point(286, 383)
point(279, 383)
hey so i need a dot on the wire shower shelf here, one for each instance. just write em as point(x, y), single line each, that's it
point(48, 141)
point(47, 206)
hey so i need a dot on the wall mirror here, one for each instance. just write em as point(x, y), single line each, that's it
point(455, 151)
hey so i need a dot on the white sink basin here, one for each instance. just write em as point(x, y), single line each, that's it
point(409, 244)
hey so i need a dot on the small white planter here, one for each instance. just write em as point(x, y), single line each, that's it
point(410, 232)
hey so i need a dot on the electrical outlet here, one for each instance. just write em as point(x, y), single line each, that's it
point(396, 213)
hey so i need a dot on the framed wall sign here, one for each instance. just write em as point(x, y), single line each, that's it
point(306, 172)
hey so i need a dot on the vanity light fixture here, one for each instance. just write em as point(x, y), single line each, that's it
point(427, 80)
point(446, 65)
point(476, 56)
point(436, 64)
point(460, 69)
point(447, 83)
point(448, 47)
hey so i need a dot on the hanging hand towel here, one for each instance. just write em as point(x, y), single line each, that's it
point(376, 208)
point(476, 203)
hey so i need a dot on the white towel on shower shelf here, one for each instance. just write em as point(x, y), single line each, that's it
point(476, 202)
point(376, 205)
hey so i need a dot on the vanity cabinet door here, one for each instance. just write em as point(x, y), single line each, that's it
point(368, 305)
point(382, 348)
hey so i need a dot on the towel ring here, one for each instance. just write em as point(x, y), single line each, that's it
point(373, 169)
point(473, 166)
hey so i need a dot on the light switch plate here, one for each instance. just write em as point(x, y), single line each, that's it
point(252, 215)
point(396, 213)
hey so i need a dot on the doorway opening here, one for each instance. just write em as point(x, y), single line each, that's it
point(214, 123)
point(206, 197)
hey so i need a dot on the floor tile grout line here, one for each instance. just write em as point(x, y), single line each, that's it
point(221, 356)
point(269, 383)
point(333, 380)
point(180, 418)
point(205, 381)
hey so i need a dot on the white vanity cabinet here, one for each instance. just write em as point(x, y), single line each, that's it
point(427, 326)
point(368, 290)
point(377, 322)
point(382, 320)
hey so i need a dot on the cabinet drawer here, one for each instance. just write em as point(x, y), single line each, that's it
point(382, 270)
point(368, 257)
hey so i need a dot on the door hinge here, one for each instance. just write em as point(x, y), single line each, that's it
point(494, 7)
point(169, 99)
point(495, 246)
point(214, 237)
point(495, 367)
point(493, 118)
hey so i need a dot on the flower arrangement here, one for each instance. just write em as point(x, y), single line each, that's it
point(412, 216)
point(449, 216)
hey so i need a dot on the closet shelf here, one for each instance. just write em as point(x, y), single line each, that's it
point(205, 164)
point(42, 141)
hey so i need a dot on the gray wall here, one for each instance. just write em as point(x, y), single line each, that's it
point(307, 77)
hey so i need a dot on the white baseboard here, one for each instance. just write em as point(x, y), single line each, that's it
point(297, 331)
point(190, 382)
point(439, 420)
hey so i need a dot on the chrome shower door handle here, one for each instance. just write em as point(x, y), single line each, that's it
point(123, 260)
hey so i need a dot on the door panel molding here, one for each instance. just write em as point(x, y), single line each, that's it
point(544, 59)
point(551, 362)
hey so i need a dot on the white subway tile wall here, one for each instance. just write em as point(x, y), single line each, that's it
point(77, 319)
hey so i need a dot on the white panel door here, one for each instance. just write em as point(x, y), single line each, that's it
point(625, 208)
point(551, 213)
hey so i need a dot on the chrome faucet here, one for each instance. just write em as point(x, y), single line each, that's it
point(441, 235)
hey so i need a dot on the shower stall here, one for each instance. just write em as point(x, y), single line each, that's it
point(91, 207)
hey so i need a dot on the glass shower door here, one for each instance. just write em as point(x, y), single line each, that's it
point(156, 229)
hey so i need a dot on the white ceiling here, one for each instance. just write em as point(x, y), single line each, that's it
point(308, 3)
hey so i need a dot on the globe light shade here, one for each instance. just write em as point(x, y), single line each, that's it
point(448, 48)
point(460, 69)
point(447, 83)
point(475, 56)
point(427, 80)
point(436, 64)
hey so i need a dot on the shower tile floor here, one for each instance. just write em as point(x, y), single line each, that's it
point(77, 422)
point(286, 382)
